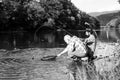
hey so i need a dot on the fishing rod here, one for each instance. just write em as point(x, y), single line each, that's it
point(64, 29)
point(53, 57)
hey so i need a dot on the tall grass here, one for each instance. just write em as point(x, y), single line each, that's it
point(87, 71)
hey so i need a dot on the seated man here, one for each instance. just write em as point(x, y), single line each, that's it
point(90, 43)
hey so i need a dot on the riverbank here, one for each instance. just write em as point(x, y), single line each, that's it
point(26, 64)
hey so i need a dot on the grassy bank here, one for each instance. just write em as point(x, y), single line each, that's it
point(26, 64)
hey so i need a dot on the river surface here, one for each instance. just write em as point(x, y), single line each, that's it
point(46, 39)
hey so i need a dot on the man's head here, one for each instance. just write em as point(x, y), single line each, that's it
point(67, 38)
point(88, 32)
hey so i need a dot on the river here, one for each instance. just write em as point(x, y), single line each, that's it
point(46, 39)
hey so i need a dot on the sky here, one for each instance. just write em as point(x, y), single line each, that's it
point(96, 5)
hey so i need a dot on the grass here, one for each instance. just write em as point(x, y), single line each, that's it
point(107, 68)
point(27, 62)
point(88, 71)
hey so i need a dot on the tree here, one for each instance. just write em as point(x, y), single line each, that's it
point(32, 15)
point(119, 1)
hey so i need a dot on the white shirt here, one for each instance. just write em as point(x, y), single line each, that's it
point(75, 47)
point(78, 45)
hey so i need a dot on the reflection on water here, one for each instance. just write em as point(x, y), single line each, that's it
point(11, 40)
point(109, 34)
point(46, 39)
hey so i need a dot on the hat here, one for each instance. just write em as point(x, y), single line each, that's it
point(89, 30)
point(67, 38)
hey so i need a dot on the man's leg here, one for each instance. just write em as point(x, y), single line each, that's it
point(71, 76)
point(91, 56)
point(72, 70)
point(88, 52)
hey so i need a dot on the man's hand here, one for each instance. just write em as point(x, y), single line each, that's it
point(59, 55)
point(64, 51)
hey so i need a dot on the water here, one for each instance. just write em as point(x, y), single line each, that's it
point(46, 39)
point(43, 39)
point(12, 40)
point(20, 65)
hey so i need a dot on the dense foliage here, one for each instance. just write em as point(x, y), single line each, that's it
point(32, 14)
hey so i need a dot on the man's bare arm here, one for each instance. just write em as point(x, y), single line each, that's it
point(64, 51)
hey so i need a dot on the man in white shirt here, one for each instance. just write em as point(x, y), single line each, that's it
point(75, 47)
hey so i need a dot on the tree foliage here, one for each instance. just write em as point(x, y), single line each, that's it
point(32, 14)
